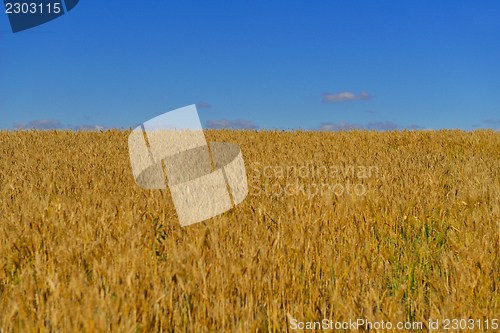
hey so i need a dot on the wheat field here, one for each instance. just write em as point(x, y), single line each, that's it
point(399, 226)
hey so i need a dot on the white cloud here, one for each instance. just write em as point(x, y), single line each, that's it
point(378, 125)
point(91, 127)
point(341, 125)
point(365, 95)
point(344, 96)
point(387, 126)
point(204, 105)
point(40, 124)
point(239, 123)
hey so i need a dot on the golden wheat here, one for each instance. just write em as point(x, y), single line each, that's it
point(83, 249)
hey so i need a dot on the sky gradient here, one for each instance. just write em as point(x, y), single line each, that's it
point(257, 64)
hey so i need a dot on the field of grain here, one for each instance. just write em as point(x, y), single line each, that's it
point(82, 248)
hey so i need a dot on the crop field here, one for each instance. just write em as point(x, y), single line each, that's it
point(397, 226)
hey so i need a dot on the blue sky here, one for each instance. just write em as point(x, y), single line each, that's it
point(274, 64)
